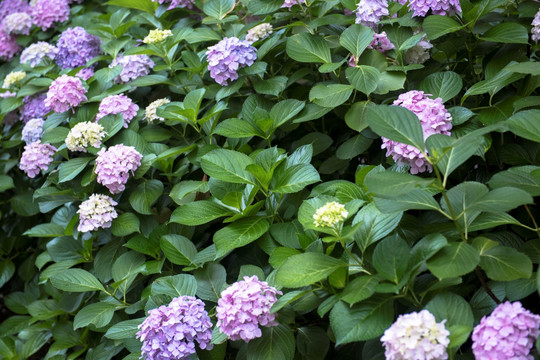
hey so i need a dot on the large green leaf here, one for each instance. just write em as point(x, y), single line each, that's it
point(507, 32)
point(98, 314)
point(417, 199)
point(374, 225)
point(178, 249)
point(306, 269)
point(308, 48)
point(276, 343)
point(331, 95)
point(359, 289)
point(237, 129)
point(285, 110)
point(145, 195)
point(356, 39)
point(451, 152)
point(174, 286)
point(199, 212)
point(364, 78)
point(210, 280)
point(124, 329)
point(261, 7)
point(6, 183)
point(125, 224)
point(76, 280)
point(239, 233)
point(391, 183)
point(526, 124)
point(445, 85)
point(458, 315)
point(227, 165)
point(294, 178)
point(523, 177)
point(45, 230)
point(436, 26)
point(453, 260)
point(502, 199)
point(218, 8)
point(503, 263)
point(390, 258)
point(144, 5)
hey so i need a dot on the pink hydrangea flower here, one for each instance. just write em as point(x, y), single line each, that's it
point(227, 56)
point(433, 117)
point(244, 306)
point(65, 92)
point(290, 3)
point(47, 12)
point(114, 165)
point(35, 157)
point(170, 332)
point(508, 333)
point(8, 46)
point(85, 73)
point(17, 23)
point(535, 31)
point(96, 212)
point(381, 43)
point(8, 7)
point(118, 104)
point(437, 7)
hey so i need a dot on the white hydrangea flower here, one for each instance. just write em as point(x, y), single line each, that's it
point(419, 53)
point(96, 212)
point(156, 35)
point(150, 112)
point(330, 214)
point(85, 134)
point(259, 32)
point(12, 78)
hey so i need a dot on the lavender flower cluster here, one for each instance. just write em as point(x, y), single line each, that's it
point(14, 19)
point(75, 47)
point(118, 104)
point(133, 67)
point(177, 3)
point(36, 157)
point(370, 12)
point(33, 107)
point(227, 56)
point(437, 7)
point(66, 92)
point(114, 165)
point(535, 31)
point(35, 53)
point(47, 12)
point(32, 131)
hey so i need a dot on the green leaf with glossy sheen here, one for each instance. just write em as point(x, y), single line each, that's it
point(239, 233)
point(76, 280)
point(356, 115)
point(237, 129)
point(218, 8)
point(199, 212)
point(227, 165)
point(507, 32)
point(331, 95)
point(144, 5)
point(124, 329)
point(396, 123)
point(306, 269)
point(178, 249)
point(526, 124)
point(390, 258)
point(503, 263)
point(455, 259)
point(98, 314)
point(361, 322)
point(445, 85)
point(145, 195)
point(364, 78)
point(359, 289)
point(356, 39)
point(502, 199)
point(7, 269)
point(71, 168)
point(174, 286)
point(285, 110)
point(125, 224)
point(294, 178)
point(45, 230)
point(374, 225)
point(391, 183)
point(416, 199)
point(436, 26)
point(308, 48)
point(276, 343)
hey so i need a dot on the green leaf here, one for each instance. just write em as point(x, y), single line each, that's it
point(359, 289)
point(390, 258)
point(522, 177)
point(210, 281)
point(126, 224)
point(436, 26)
point(124, 329)
point(445, 85)
point(453, 260)
point(99, 314)
point(6, 183)
point(306, 269)
point(227, 165)
point(45, 230)
point(76, 280)
point(294, 178)
point(331, 95)
point(308, 48)
point(174, 286)
point(285, 110)
point(451, 152)
point(502, 199)
point(364, 78)
point(416, 199)
point(145, 5)
point(374, 225)
point(356, 39)
point(396, 123)
point(390, 183)
point(239, 233)
point(199, 212)
point(458, 315)
point(312, 342)
point(390, 81)
point(276, 343)
point(237, 129)
point(7, 269)
point(528, 67)
point(145, 195)
point(507, 32)
point(353, 147)
point(356, 116)
point(218, 8)
point(178, 249)
point(526, 124)
point(503, 263)
point(273, 86)
point(261, 7)
point(361, 322)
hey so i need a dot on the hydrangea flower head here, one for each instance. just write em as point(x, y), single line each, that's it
point(35, 53)
point(170, 332)
point(8, 46)
point(83, 135)
point(329, 215)
point(370, 12)
point(13, 78)
point(416, 336)
point(177, 3)
point(290, 3)
point(227, 56)
point(7, 94)
point(535, 31)
point(32, 131)
point(76, 47)
point(96, 212)
point(133, 67)
point(508, 333)
point(36, 157)
point(8, 7)
point(259, 32)
point(64, 93)
point(150, 113)
point(419, 53)
point(157, 35)
point(46, 12)
point(437, 7)
point(85, 73)
point(381, 43)
point(114, 165)
point(17, 23)
point(434, 118)
point(34, 107)
point(244, 306)
point(118, 104)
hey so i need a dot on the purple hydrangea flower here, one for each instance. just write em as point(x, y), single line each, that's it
point(381, 43)
point(35, 53)
point(434, 120)
point(177, 3)
point(416, 336)
point(437, 7)
point(370, 12)
point(8, 7)
point(34, 107)
point(535, 31)
point(244, 306)
point(35, 157)
point(64, 93)
point(7, 94)
point(227, 56)
point(17, 23)
point(170, 332)
point(290, 3)
point(85, 73)
point(76, 47)
point(133, 67)
point(96, 212)
point(8, 46)
point(46, 12)
point(114, 165)
point(32, 131)
point(118, 104)
point(508, 333)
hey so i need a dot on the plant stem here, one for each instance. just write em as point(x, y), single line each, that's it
point(485, 286)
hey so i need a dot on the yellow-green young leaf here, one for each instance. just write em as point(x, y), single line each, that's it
point(331, 95)
point(453, 260)
point(276, 343)
point(98, 314)
point(503, 263)
point(308, 48)
point(76, 280)
point(306, 269)
point(239, 233)
point(356, 39)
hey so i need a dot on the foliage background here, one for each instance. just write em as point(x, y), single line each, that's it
point(230, 181)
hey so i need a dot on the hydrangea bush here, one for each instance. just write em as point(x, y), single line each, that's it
point(269, 179)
